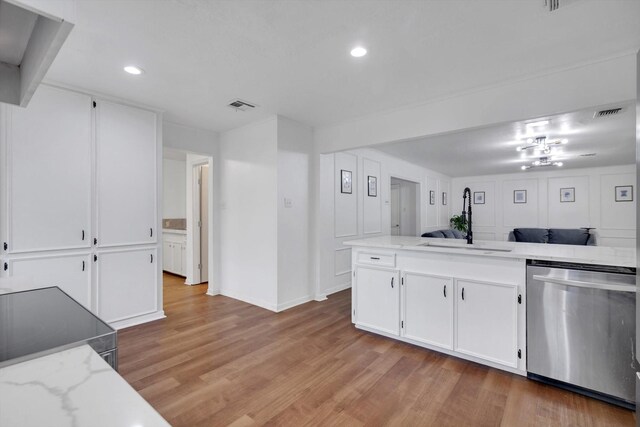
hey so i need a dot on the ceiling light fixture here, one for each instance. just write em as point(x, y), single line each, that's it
point(132, 69)
point(541, 144)
point(542, 162)
point(358, 52)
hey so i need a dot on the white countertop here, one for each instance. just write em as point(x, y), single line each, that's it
point(174, 231)
point(71, 388)
point(601, 255)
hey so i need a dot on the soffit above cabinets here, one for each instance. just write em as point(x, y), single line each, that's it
point(31, 34)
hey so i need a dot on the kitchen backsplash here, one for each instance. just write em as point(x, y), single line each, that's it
point(174, 223)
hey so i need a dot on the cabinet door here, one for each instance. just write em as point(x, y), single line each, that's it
point(487, 321)
point(127, 284)
point(428, 309)
point(71, 273)
point(167, 255)
point(126, 175)
point(49, 171)
point(378, 299)
point(183, 259)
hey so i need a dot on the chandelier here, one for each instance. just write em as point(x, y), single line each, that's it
point(541, 162)
point(540, 144)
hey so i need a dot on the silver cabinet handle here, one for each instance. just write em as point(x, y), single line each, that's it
point(580, 284)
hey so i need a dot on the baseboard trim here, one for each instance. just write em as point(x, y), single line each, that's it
point(126, 323)
point(323, 296)
point(252, 301)
point(289, 304)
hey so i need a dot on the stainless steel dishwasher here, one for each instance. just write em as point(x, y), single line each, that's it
point(581, 328)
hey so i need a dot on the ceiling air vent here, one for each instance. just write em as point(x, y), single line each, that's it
point(607, 113)
point(240, 105)
point(552, 4)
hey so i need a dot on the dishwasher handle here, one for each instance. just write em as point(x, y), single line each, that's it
point(581, 284)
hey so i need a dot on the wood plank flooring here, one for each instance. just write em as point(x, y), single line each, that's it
point(216, 361)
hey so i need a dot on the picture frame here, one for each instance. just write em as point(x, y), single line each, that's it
point(372, 186)
point(432, 197)
point(624, 193)
point(478, 198)
point(346, 182)
point(444, 198)
point(519, 196)
point(567, 195)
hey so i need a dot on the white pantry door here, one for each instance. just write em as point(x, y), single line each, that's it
point(49, 161)
point(126, 175)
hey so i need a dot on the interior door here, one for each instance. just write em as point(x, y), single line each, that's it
point(395, 209)
point(126, 175)
point(49, 149)
point(204, 224)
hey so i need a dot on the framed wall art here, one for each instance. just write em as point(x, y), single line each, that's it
point(345, 182)
point(624, 193)
point(372, 185)
point(478, 197)
point(567, 195)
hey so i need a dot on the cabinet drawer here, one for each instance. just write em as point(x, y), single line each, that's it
point(387, 260)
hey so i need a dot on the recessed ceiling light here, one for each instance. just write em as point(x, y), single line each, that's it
point(132, 69)
point(358, 52)
point(536, 124)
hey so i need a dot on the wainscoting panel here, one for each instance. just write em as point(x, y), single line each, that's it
point(372, 205)
point(346, 204)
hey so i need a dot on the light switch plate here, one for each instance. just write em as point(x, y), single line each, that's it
point(288, 202)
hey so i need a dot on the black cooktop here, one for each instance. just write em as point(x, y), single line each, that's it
point(43, 321)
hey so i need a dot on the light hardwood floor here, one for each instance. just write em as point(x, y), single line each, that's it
point(216, 361)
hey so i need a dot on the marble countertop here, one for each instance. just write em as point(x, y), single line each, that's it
point(600, 255)
point(73, 388)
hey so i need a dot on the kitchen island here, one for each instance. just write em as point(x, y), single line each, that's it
point(74, 387)
point(459, 299)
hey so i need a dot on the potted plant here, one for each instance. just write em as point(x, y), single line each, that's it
point(457, 222)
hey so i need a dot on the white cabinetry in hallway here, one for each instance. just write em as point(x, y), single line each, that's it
point(126, 283)
point(78, 205)
point(69, 272)
point(48, 168)
point(125, 175)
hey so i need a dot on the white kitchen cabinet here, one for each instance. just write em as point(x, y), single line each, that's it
point(427, 308)
point(126, 178)
point(378, 299)
point(174, 253)
point(487, 321)
point(49, 172)
point(126, 284)
point(71, 273)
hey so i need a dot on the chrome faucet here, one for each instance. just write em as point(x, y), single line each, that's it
point(467, 190)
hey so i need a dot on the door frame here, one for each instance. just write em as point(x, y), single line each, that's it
point(193, 270)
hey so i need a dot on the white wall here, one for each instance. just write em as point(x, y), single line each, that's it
point(249, 214)
point(564, 90)
point(175, 188)
point(294, 217)
point(344, 217)
point(594, 205)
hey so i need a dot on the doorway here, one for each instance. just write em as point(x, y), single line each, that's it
point(405, 211)
point(187, 218)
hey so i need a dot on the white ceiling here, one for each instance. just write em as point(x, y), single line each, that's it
point(492, 150)
point(292, 57)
